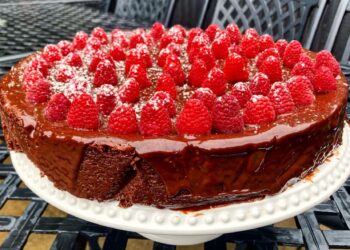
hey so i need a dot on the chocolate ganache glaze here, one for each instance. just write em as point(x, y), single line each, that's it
point(174, 171)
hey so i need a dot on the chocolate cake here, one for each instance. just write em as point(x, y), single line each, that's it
point(174, 118)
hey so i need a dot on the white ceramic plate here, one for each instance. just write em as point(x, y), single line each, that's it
point(175, 227)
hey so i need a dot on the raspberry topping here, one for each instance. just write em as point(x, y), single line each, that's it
point(235, 68)
point(66, 47)
point(74, 60)
point(97, 58)
point(31, 77)
point(292, 53)
point(242, 92)
point(64, 74)
point(265, 54)
point(117, 52)
point(206, 96)
point(57, 108)
point(215, 81)
point(260, 84)
point(227, 116)
point(51, 53)
point(100, 34)
point(130, 91)
point(38, 64)
point(38, 92)
point(139, 73)
point(281, 98)
point(211, 31)
point(198, 73)
point(251, 43)
point(174, 68)
point(221, 44)
point(234, 33)
point(79, 41)
point(157, 31)
point(155, 119)
point(105, 99)
point(303, 69)
point(83, 113)
point(299, 87)
point(162, 98)
point(281, 45)
point(259, 110)
point(324, 80)
point(166, 83)
point(123, 120)
point(105, 74)
point(266, 42)
point(272, 68)
point(194, 119)
point(325, 58)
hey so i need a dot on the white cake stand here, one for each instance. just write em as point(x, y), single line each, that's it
point(178, 228)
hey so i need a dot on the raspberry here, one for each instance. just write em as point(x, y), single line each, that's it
point(76, 87)
point(259, 110)
point(176, 34)
point(266, 42)
point(173, 67)
point(162, 98)
point(234, 48)
point(211, 31)
point(198, 41)
point(221, 44)
point(292, 53)
point(325, 58)
point(272, 68)
point(93, 43)
point(100, 34)
point(194, 119)
point(130, 91)
point(119, 37)
point(57, 108)
point(83, 113)
point(324, 80)
point(123, 120)
point(117, 52)
point(203, 53)
point(198, 73)
point(105, 99)
point(166, 83)
point(66, 47)
point(281, 98)
point(79, 41)
point(139, 73)
point(138, 37)
point(157, 30)
point(155, 120)
point(242, 92)
point(171, 49)
point(98, 57)
point(178, 29)
point(30, 78)
point(139, 55)
point(234, 33)
point(265, 54)
point(38, 92)
point(165, 40)
point(250, 43)
point(299, 88)
point(235, 68)
point(215, 81)
point(74, 60)
point(64, 74)
point(51, 53)
point(105, 74)
point(192, 33)
point(281, 45)
point(260, 84)
point(302, 69)
point(40, 65)
point(206, 96)
point(227, 117)
point(307, 60)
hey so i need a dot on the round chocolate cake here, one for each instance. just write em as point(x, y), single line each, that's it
point(174, 118)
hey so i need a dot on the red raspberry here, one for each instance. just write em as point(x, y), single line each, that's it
point(139, 73)
point(251, 43)
point(155, 120)
point(272, 68)
point(324, 80)
point(165, 40)
point(221, 44)
point(175, 35)
point(38, 64)
point(292, 53)
point(51, 53)
point(281, 98)
point(76, 87)
point(206, 96)
point(93, 43)
point(173, 67)
point(64, 74)
point(299, 87)
point(98, 57)
point(235, 68)
point(178, 29)
point(119, 37)
point(260, 84)
point(281, 45)
point(57, 108)
point(266, 42)
point(66, 47)
point(38, 92)
point(105, 99)
point(211, 31)
point(234, 48)
point(234, 33)
point(194, 119)
point(30, 78)
point(198, 73)
point(164, 99)
point(100, 34)
point(130, 91)
point(302, 69)
point(227, 116)
point(74, 60)
point(307, 60)
point(259, 110)
point(83, 113)
point(265, 54)
point(198, 41)
point(123, 120)
point(192, 33)
point(117, 52)
point(139, 55)
point(79, 41)
point(105, 74)
point(203, 53)
point(166, 83)
point(242, 92)
point(325, 58)
point(157, 30)
point(171, 49)
point(138, 37)
point(215, 81)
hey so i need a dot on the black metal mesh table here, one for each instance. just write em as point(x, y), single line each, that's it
point(24, 29)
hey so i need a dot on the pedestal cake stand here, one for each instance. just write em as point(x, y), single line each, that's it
point(179, 228)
